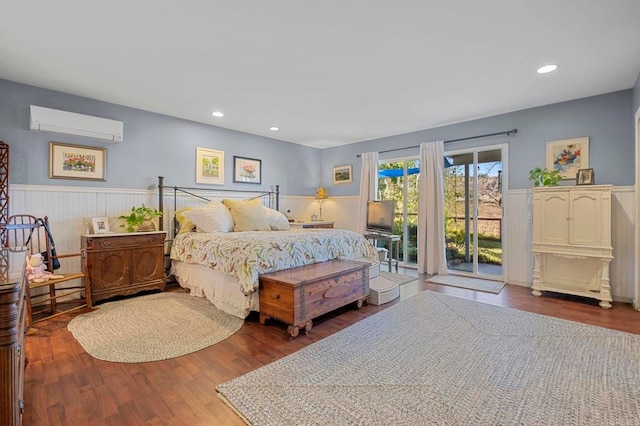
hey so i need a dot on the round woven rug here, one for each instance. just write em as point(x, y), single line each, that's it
point(152, 328)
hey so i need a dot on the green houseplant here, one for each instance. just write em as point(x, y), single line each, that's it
point(544, 177)
point(140, 219)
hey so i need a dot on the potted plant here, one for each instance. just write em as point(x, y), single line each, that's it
point(140, 219)
point(544, 177)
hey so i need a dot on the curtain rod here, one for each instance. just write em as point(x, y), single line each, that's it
point(506, 132)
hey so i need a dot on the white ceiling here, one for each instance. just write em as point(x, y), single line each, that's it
point(326, 72)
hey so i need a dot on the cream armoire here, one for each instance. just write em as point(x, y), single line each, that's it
point(572, 241)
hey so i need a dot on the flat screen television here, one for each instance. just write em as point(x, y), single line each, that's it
point(380, 216)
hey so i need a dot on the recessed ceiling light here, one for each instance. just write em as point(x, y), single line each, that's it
point(274, 128)
point(217, 114)
point(547, 68)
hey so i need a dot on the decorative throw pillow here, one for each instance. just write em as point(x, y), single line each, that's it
point(276, 220)
point(184, 224)
point(248, 215)
point(213, 217)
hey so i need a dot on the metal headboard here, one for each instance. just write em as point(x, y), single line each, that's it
point(272, 196)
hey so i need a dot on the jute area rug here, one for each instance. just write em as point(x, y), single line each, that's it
point(152, 328)
point(435, 359)
point(471, 283)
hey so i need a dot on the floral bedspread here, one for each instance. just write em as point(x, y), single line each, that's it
point(245, 255)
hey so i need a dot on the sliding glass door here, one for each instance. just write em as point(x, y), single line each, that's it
point(398, 180)
point(474, 211)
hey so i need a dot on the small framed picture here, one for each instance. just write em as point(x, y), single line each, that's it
point(585, 177)
point(209, 166)
point(247, 170)
point(342, 174)
point(100, 225)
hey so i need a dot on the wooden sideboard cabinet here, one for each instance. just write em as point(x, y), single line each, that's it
point(124, 263)
point(572, 241)
point(13, 291)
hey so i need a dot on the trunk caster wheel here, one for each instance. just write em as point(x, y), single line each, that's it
point(293, 332)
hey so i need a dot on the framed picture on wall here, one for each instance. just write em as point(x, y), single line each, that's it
point(247, 170)
point(343, 174)
point(567, 156)
point(68, 161)
point(209, 166)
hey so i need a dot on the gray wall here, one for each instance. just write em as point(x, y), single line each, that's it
point(636, 95)
point(160, 145)
point(154, 145)
point(605, 119)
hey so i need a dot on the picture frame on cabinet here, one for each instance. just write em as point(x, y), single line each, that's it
point(567, 156)
point(247, 170)
point(342, 174)
point(209, 166)
point(585, 177)
point(100, 225)
point(67, 161)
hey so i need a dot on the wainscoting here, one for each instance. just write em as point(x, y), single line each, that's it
point(67, 206)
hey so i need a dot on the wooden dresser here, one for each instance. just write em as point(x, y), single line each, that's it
point(13, 287)
point(124, 263)
point(296, 296)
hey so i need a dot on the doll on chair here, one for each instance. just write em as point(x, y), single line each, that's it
point(37, 270)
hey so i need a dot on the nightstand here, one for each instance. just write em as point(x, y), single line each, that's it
point(314, 224)
point(120, 264)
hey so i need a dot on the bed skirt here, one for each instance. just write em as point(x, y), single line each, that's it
point(224, 291)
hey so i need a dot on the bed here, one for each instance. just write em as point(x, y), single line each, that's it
point(222, 261)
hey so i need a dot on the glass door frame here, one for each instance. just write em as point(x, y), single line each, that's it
point(504, 157)
point(405, 186)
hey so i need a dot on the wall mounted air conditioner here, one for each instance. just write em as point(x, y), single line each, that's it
point(53, 120)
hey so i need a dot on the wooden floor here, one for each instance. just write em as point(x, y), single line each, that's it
point(64, 385)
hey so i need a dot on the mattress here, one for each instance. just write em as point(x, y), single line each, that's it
point(246, 255)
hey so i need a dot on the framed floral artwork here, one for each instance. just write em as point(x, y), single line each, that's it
point(209, 166)
point(342, 174)
point(247, 170)
point(77, 162)
point(567, 156)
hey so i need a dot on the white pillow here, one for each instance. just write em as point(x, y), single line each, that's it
point(213, 217)
point(276, 220)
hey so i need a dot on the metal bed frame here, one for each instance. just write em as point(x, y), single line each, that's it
point(271, 196)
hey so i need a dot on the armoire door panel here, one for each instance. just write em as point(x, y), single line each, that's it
point(554, 218)
point(586, 214)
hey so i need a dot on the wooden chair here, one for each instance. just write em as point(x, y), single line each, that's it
point(23, 230)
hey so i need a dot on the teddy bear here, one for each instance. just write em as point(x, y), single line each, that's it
point(37, 270)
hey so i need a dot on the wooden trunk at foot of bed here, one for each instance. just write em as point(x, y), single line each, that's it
point(298, 295)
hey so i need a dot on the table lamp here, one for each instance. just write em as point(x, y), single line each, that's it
point(321, 195)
